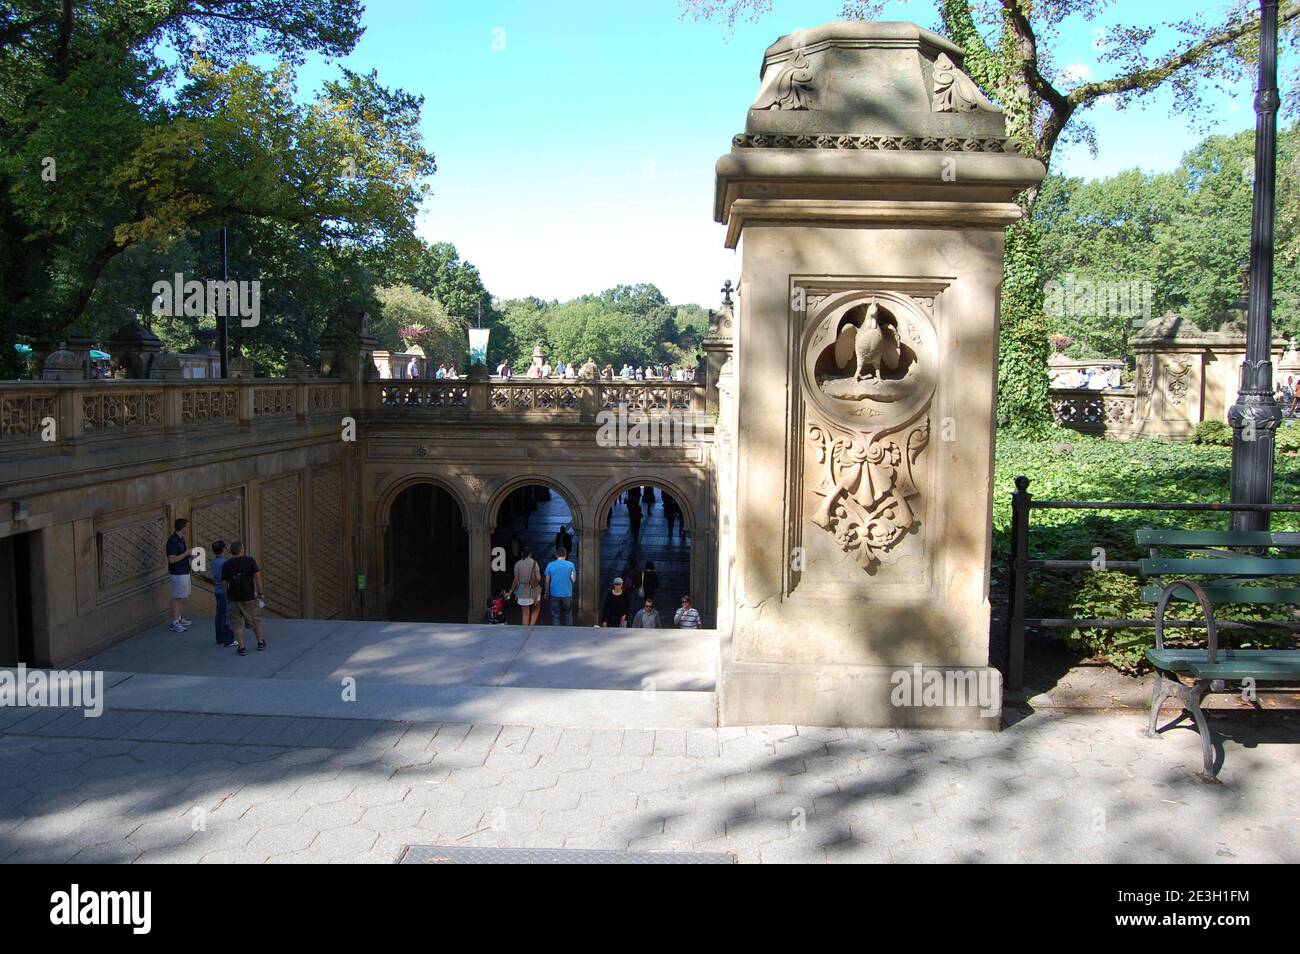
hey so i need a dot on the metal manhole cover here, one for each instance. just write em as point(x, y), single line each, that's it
point(461, 855)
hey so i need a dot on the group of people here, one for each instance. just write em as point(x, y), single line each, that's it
point(640, 503)
point(1287, 395)
point(236, 585)
point(571, 371)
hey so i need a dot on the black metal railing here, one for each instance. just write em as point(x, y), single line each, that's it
point(1019, 565)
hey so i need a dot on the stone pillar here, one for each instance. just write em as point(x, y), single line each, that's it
point(134, 349)
point(480, 562)
point(591, 589)
point(871, 186)
point(717, 348)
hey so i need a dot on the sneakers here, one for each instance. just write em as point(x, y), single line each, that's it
point(243, 650)
point(187, 623)
point(177, 626)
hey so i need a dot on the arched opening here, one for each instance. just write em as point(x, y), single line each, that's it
point(535, 516)
point(426, 557)
point(647, 542)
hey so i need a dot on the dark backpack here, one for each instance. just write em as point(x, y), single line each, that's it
point(240, 577)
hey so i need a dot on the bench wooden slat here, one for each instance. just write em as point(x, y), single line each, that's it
point(1217, 538)
point(1229, 594)
point(1181, 660)
point(1230, 566)
point(1280, 665)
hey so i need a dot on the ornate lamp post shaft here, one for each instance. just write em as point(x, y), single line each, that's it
point(1255, 416)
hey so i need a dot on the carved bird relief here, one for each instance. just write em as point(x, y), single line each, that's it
point(872, 346)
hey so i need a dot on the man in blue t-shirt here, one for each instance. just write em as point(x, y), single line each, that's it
point(178, 573)
point(560, 577)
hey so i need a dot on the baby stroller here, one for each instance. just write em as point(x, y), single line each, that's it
point(496, 610)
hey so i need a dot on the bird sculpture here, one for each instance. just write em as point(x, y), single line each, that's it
point(872, 346)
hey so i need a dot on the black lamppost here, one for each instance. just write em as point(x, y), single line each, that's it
point(223, 333)
point(1256, 416)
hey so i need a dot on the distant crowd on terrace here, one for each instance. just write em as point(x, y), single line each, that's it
point(572, 372)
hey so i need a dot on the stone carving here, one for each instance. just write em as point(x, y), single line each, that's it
point(131, 551)
point(282, 557)
point(207, 404)
point(425, 395)
point(327, 533)
point(323, 397)
point(1176, 382)
point(102, 412)
point(270, 401)
point(885, 143)
point(792, 87)
point(21, 415)
point(546, 397)
point(218, 520)
point(954, 91)
point(866, 488)
point(589, 485)
point(869, 373)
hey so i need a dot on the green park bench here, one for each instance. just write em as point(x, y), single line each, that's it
point(1223, 577)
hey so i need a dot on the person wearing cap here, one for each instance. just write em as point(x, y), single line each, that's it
point(616, 608)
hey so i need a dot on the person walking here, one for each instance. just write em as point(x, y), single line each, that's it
point(647, 617)
point(244, 591)
point(617, 605)
point(224, 636)
point(687, 616)
point(560, 577)
point(178, 573)
point(649, 581)
point(563, 540)
point(527, 587)
point(634, 518)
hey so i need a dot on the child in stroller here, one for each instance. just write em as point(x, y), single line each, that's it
point(496, 609)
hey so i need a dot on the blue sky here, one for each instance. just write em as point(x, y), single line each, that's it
point(576, 140)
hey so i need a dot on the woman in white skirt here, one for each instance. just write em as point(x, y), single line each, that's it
point(527, 587)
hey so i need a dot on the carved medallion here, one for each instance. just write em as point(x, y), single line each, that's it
point(791, 88)
point(870, 364)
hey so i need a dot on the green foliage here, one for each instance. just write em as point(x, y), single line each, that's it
point(117, 135)
point(410, 316)
point(627, 323)
point(1212, 431)
point(1023, 348)
point(1287, 440)
point(1099, 470)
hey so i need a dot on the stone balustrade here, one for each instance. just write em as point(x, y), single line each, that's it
point(36, 412)
point(530, 398)
point(1094, 412)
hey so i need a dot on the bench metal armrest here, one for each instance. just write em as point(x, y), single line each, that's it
point(1207, 608)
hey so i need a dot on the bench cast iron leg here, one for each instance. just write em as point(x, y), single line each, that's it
point(1192, 697)
point(1158, 695)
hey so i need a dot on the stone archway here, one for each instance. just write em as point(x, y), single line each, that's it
point(505, 532)
point(424, 552)
point(674, 551)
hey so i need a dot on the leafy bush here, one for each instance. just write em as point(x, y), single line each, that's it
point(1288, 439)
point(1138, 470)
point(1214, 432)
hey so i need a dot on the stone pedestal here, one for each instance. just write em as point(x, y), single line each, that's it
point(868, 195)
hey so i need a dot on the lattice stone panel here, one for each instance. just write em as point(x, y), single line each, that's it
point(21, 415)
point(102, 412)
point(218, 520)
point(327, 542)
point(208, 404)
point(271, 401)
point(281, 556)
point(132, 551)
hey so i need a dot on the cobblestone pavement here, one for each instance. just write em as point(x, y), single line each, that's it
point(185, 787)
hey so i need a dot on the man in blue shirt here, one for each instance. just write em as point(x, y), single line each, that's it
point(178, 573)
point(560, 577)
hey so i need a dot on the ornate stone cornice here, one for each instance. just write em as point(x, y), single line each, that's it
point(881, 143)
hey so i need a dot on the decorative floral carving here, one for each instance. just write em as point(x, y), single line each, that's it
point(101, 412)
point(1176, 382)
point(793, 87)
point(866, 488)
point(21, 415)
point(207, 404)
point(954, 91)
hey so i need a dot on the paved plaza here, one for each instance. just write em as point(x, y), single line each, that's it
point(501, 737)
point(188, 787)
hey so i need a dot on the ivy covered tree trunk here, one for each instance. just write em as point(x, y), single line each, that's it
point(1023, 404)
